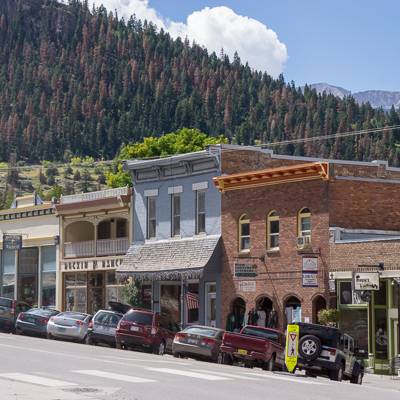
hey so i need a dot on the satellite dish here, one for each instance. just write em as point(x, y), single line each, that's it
point(366, 295)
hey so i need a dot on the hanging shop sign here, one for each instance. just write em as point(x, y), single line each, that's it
point(247, 286)
point(245, 270)
point(12, 242)
point(365, 280)
point(310, 264)
point(310, 279)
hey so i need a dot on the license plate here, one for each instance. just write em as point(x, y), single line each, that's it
point(62, 329)
point(134, 328)
point(192, 341)
point(106, 328)
point(240, 351)
point(30, 319)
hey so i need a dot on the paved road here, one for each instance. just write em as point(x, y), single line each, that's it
point(32, 368)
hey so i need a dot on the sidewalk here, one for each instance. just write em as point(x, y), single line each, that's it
point(382, 381)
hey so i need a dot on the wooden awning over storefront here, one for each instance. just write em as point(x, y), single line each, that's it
point(293, 173)
point(172, 259)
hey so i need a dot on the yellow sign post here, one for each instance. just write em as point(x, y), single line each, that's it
point(292, 344)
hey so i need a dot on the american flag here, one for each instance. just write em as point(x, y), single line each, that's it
point(192, 300)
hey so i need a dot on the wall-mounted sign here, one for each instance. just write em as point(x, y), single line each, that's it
point(310, 279)
point(245, 269)
point(310, 264)
point(332, 286)
point(12, 242)
point(365, 280)
point(247, 286)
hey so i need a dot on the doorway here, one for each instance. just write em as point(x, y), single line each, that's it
point(211, 304)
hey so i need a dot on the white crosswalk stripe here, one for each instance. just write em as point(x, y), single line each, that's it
point(228, 375)
point(117, 377)
point(189, 374)
point(38, 380)
point(304, 380)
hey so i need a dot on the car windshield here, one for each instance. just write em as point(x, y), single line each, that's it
point(5, 303)
point(42, 313)
point(79, 317)
point(108, 318)
point(201, 331)
point(262, 333)
point(141, 318)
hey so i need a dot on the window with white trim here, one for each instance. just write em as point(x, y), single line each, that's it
point(176, 214)
point(151, 217)
point(304, 222)
point(273, 231)
point(244, 233)
point(201, 212)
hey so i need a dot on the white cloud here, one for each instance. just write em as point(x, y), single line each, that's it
point(216, 28)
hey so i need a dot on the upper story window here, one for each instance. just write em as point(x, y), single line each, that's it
point(273, 231)
point(176, 214)
point(201, 212)
point(244, 233)
point(151, 217)
point(304, 222)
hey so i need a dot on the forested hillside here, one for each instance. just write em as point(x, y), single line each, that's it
point(80, 82)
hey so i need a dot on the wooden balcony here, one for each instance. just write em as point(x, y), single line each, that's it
point(105, 247)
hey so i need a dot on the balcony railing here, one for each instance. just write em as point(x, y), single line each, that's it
point(105, 247)
point(94, 195)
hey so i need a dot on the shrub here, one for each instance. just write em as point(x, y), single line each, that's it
point(329, 316)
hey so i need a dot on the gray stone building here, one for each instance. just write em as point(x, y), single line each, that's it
point(176, 249)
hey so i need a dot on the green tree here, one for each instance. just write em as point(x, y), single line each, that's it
point(85, 184)
point(131, 294)
point(56, 191)
point(183, 141)
point(77, 175)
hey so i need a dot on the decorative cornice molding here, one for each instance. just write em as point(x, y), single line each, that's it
point(274, 176)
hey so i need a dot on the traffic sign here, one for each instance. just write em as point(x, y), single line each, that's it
point(292, 344)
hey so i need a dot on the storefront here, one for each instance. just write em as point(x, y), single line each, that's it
point(29, 232)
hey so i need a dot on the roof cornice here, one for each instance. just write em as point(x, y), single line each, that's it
point(274, 176)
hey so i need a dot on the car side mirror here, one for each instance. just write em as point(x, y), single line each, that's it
point(356, 350)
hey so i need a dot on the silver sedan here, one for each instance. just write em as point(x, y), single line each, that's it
point(69, 325)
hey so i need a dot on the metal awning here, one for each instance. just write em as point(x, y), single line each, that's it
point(172, 259)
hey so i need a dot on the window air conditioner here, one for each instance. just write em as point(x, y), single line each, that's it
point(303, 241)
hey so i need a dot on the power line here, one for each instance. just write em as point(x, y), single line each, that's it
point(333, 136)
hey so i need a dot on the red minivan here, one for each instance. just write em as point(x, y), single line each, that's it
point(146, 330)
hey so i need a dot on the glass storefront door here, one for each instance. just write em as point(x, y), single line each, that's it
point(170, 295)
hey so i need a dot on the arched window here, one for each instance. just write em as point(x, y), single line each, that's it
point(273, 231)
point(244, 233)
point(304, 222)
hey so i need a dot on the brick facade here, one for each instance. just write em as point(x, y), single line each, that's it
point(356, 196)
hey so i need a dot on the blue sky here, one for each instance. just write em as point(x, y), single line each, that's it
point(345, 43)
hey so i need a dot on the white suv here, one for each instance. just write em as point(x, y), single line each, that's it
point(329, 352)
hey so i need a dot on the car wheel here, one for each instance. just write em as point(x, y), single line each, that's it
point(50, 336)
point(227, 360)
point(220, 358)
point(118, 345)
point(160, 349)
point(176, 355)
point(83, 340)
point(89, 341)
point(337, 375)
point(18, 331)
point(357, 379)
point(269, 366)
point(310, 347)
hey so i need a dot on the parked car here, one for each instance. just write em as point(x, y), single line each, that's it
point(9, 310)
point(255, 346)
point(69, 325)
point(146, 330)
point(102, 327)
point(34, 321)
point(327, 351)
point(118, 306)
point(198, 341)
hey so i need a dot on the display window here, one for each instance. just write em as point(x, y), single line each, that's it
point(193, 314)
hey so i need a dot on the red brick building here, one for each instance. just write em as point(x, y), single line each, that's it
point(286, 220)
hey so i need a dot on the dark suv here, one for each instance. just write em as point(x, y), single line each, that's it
point(146, 330)
point(328, 352)
point(9, 310)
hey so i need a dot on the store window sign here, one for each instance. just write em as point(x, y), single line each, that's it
point(245, 270)
point(310, 279)
point(247, 286)
point(12, 242)
point(365, 281)
point(310, 264)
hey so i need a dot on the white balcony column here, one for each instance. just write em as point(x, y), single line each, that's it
point(95, 239)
